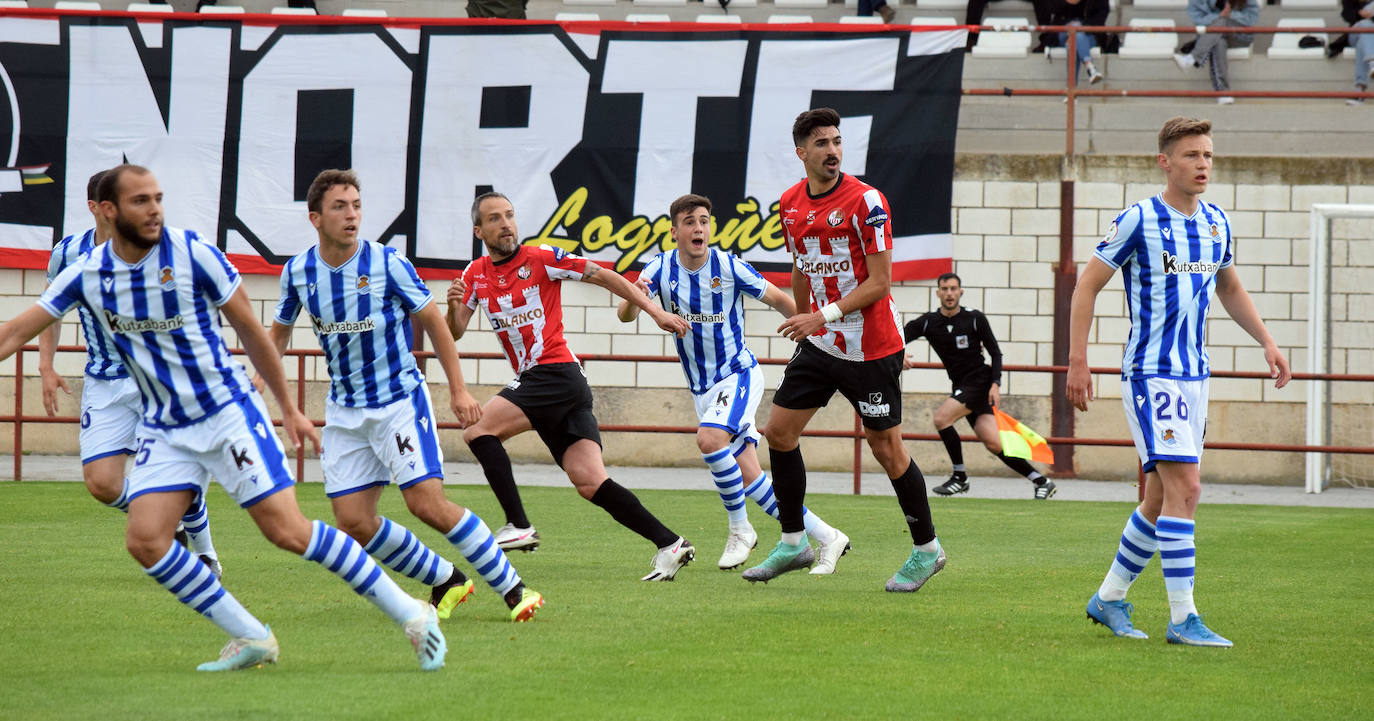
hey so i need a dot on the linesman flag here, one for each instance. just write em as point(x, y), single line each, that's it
point(1019, 441)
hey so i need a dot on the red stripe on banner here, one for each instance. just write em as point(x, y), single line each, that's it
point(922, 269)
point(24, 259)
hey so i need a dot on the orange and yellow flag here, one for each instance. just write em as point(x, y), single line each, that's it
point(1019, 441)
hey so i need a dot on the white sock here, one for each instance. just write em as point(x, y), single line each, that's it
point(473, 539)
point(729, 482)
point(1177, 554)
point(1138, 545)
point(194, 585)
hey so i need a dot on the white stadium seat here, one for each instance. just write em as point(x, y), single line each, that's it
point(1004, 43)
point(941, 4)
point(647, 18)
point(574, 17)
point(294, 11)
point(931, 20)
point(364, 13)
point(1285, 46)
point(788, 19)
point(13, 4)
point(76, 5)
point(861, 20)
point(150, 8)
point(221, 10)
point(1149, 45)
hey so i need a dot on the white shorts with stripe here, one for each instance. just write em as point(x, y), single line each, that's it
point(236, 444)
point(1167, 417)
point(731, 404)
point(111, 411)
point(366, 447)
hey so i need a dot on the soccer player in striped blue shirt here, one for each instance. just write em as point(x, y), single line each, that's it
point(706, 286)
point(1173, 251)
point(362, 298)
point(159, 293)
point(110, 403)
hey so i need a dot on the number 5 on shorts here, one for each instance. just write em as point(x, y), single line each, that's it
point(145, 447)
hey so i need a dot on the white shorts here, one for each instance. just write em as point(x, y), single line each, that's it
point(111, 411)
point(235, 444)
point(1168, 418)
point(366, 447)
point(730, 405)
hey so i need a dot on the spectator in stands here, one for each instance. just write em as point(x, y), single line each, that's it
point(509, 9)
point(1352, 12)
point(1363, 42)
point(1213, 46)
point(885, 11)
point(1080, 12)
point(974, 16)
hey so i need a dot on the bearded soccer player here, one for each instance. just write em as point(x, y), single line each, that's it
point(958, 335)
point(839, 232)
point(379, 420)
point(160, 293)
point(519, 287)
point(1172, 250)
point(707, 287)
point(110, 402)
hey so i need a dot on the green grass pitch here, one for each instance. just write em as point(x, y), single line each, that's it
point(1000, 634)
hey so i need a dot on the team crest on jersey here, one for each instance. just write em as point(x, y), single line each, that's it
point(835, 218)
point(364, 285)
point(1216, 232)
point(1166, 436)
point(524, 272)
point(810, 216)
point(877, 217)
point(166, 278)
point(715, 284)
point(961, 341)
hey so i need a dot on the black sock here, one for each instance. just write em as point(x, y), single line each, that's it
point(1020, 465)
point(455, 578)
point(626, 509)
point(496, 466)
point(952, 445)
point(911, 495)
point(789, 486)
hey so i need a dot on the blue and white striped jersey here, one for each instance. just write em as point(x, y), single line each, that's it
point(361, 314)
point(1169, 264)
point(162, 315)
point(102, 360)
point(711, 299)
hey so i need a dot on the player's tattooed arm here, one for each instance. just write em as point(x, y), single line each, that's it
point(627, 311)
point(616, 283)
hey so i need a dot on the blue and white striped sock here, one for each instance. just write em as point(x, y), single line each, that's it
point(473, 539)
point(121, 503)
point(401, 551)
point(761, 491)
point(197, 524)
point(1178, 555)
point(729, 483)
point(194, 585)
point(342, 555)
point(1138, 546)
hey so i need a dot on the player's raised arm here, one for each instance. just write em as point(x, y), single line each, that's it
point(1094, 277)
point(459, 314)
point(1234, 298)
point(21, 330)
point(267, 360)
point(616, 283)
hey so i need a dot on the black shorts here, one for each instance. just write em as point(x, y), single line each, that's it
point(558, 402)
point(873, 387)
point(972, 391)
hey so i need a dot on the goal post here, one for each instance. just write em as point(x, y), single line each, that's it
point(1319, 326)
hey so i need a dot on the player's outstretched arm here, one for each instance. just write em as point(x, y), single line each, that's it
point(627, 311)
point(1241, 308)
point(783, 303)
point(21, 330)
point(616, 283)
point(267, 360)
point(464, 406)
point(459, 314)
point(1079, 388)
point(47, 348)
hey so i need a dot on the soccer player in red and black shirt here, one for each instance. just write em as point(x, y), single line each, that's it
point(958, 335)
point(519, 288)
point(850, 341)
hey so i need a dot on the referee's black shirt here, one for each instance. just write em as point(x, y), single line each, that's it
point(959, 341)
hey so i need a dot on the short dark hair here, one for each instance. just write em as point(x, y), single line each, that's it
point(946, 276)
point(94, 184)
point(477, 204)
point(814, 118)
point(687, 203)
point(314, 197)
point(107, 188)
point(1180, 127)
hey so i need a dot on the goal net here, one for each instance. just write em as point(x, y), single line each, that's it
point(1341, 340)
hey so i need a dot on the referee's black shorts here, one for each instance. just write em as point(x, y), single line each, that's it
point(873, 387)
point(558, 402)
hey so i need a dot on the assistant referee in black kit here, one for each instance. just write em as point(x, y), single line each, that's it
point(958, 335)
